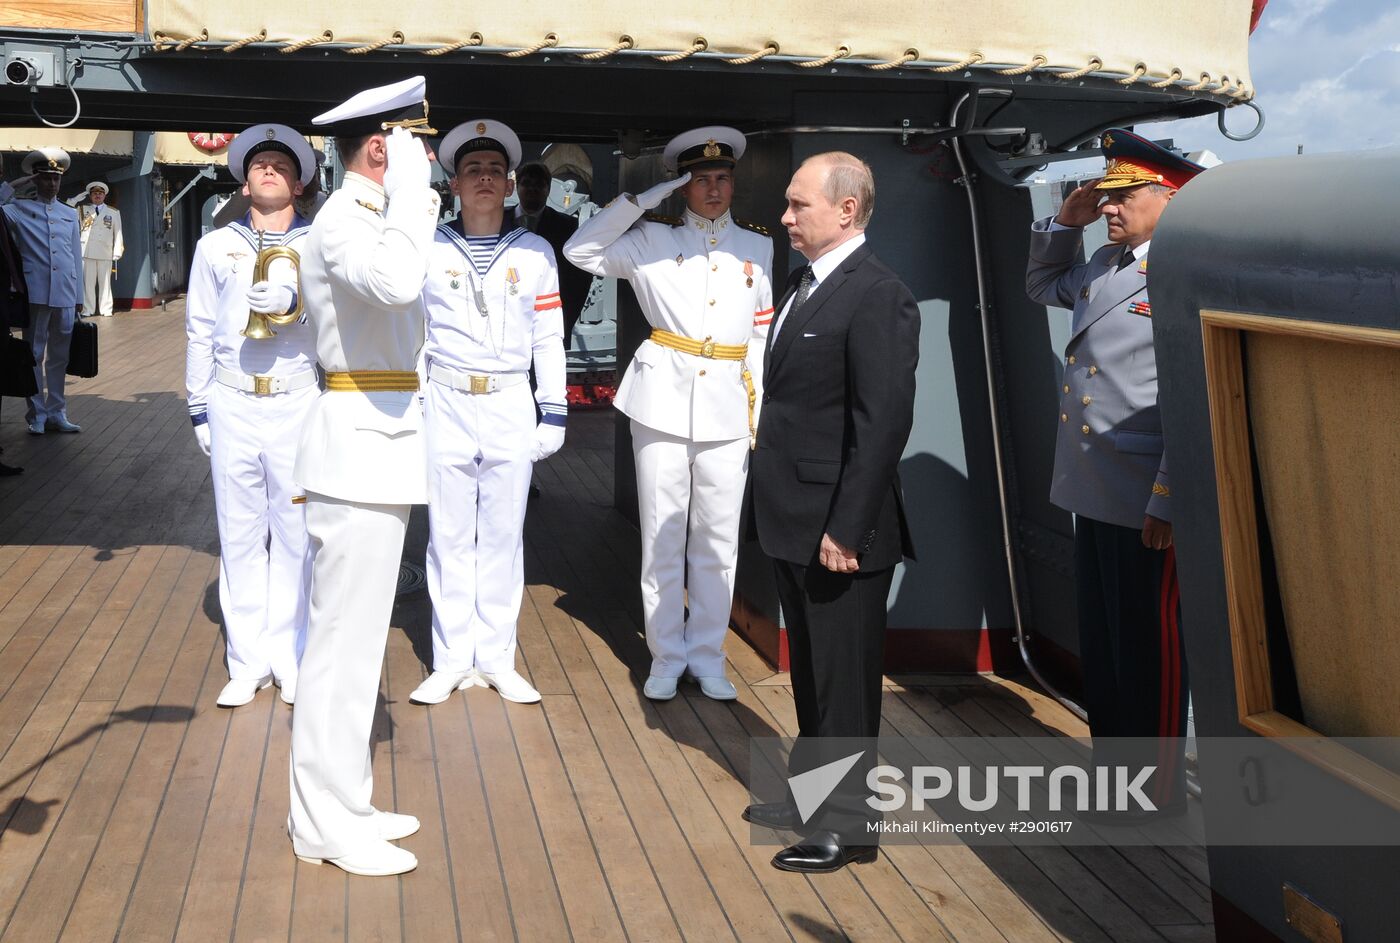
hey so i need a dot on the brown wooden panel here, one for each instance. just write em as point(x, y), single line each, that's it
point(106, 16)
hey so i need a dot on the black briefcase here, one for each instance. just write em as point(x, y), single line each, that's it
point(16, 367)
point(82, 354)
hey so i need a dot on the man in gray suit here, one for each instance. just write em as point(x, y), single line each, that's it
point(1110, 465)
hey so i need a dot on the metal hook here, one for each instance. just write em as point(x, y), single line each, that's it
point(1259, 126)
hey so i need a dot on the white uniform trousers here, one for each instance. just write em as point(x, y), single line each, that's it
point(689, 495)
point(97, 287)
point(356, 549)
point(49, 335)
point(264, 553)
point(479, 465)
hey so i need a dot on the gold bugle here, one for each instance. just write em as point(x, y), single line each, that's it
point(258, 328)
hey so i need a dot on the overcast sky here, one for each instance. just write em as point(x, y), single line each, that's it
point(1327, 75)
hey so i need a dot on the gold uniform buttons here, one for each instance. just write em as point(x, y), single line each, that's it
point(1071, 359)
point(712, 301)
point(714, 268)
point(1084, 429)
point(1064, 417)
point(702, 373)
point(1066, 387)
point(1093, 370)
point(1085, 401)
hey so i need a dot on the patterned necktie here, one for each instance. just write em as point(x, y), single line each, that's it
point(804, 288)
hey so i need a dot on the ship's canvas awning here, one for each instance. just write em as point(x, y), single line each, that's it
point(1200, 43)
point(72, 140)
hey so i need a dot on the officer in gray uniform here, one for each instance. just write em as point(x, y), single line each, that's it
point(1110, 466)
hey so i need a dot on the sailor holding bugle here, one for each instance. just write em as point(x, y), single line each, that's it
point(248, 398)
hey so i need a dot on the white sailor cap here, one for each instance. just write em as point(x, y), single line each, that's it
point(97, 185)
point(711, 146)
point(271, 137)
point(46, 160)
point(400, 105)
point(479, 134)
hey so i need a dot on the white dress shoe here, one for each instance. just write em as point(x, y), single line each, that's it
point(395, 825)
point(718, 689)
point(60, 423)
point(377, 859)
point(287, 689)
point(511, 686)
point(439, 686)
point(240, 691)
point(36, 427)
point(660, 689)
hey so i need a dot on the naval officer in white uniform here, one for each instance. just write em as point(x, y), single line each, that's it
point(362, 465)
point(248, 400)
point(493, 310)
point(703, 282)
point(102, 247)
point(46, 232)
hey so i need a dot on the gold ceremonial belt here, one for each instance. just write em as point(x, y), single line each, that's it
point(712, 351)
point(373, 381)
point(706, 348)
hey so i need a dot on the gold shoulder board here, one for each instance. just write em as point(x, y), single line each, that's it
point(658, 218)
point(752, 227)
point(369, 206)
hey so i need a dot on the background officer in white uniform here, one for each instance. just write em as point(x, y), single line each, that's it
point(703, 282)
point(248, 400)
point(493, 310)
point(102, 246)
point(362, 464)
point(47, 235)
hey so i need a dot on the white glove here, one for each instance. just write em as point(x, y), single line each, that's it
point(548, 440)
point(267, 298)
point(651, 199)
point(408, 165)
point(201, 435)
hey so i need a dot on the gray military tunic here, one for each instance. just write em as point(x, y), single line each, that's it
point(1109, 458)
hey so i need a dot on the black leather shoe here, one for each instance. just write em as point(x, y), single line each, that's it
point(822, 853)
point(780, 815)
point(7, 470)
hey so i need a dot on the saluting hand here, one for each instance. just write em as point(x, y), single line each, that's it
point(407, 162)
point(837, 557)
point(1081, 207)
point(651, 199)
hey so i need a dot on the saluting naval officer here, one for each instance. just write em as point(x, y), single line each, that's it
point(102, 247)
point(703, 282)
point(46, 232)
point(248, 399)
point(1110, 463)
point(493, 310)
point(362, 464)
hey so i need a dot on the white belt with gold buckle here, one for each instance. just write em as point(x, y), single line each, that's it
point(474, 382)
point(262, 385)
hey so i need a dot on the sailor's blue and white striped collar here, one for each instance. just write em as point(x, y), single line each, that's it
point(454, 233)
point(244, 228)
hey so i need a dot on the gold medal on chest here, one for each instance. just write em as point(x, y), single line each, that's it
point(748, 273)
point(453, 273)
point(513, 280)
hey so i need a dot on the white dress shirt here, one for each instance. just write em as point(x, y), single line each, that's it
point(821, 270)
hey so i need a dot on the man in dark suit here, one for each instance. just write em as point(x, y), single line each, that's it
point(838, 404)
point(532, 182)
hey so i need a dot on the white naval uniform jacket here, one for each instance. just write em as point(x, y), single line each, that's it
point(524, 323)
point(216, 312)
point(50, 249)
point(698, 278)
point(362, 273)
point(1110, 462)
point(102, 232)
